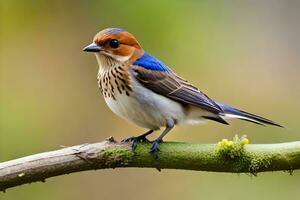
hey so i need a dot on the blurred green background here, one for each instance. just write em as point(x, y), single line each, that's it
point(243, 53)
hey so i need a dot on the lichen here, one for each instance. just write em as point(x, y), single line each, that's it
point(232, 148)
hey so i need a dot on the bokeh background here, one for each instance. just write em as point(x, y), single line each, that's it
point(243, 53)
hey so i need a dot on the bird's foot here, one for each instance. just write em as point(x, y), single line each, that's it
point(134, 140)
point(155, 147)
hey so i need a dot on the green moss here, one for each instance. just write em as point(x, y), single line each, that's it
point(259, 161)
point(119, 152)
point(118, 156)
point(241, 159)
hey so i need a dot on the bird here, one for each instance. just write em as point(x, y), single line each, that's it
point(142, 89)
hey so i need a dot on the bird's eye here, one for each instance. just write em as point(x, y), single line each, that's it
point(114, 43)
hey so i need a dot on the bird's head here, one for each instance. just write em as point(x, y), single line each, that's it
point(115, 45)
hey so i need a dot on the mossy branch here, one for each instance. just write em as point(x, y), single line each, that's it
point(236, 157)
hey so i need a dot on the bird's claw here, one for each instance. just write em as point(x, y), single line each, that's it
point(155, 148)
point(134, 140)
point(130, 139)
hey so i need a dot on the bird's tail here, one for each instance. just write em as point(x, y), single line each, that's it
point(231, 112)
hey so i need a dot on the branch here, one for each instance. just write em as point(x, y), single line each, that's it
point(237, 158)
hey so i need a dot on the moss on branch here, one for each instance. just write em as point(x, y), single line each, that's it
point(235, 156)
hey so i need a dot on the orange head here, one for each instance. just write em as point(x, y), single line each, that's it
point(116, 44)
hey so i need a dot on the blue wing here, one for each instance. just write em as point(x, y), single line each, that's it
point(159, 78)
point(156, 76)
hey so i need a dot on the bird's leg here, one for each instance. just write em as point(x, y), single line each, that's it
point(155, 144)
point(135, 140)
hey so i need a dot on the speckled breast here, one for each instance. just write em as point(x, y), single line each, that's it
point(114, 80)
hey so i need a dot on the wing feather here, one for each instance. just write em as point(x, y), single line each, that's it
point(170, 85)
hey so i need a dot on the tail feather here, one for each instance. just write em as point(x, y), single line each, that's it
point(231, 112)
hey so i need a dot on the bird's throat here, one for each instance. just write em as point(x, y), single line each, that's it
point(113, 77)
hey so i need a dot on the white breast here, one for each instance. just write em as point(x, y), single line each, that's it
point(145, 108)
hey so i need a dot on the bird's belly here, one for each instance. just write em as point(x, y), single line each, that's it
point(146, 108)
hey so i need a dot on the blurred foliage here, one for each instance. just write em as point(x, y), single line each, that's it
point(243, 53)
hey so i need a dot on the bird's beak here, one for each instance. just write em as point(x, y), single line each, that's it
point(92, 48)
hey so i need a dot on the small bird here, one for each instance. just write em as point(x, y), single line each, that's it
point(142, 89)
